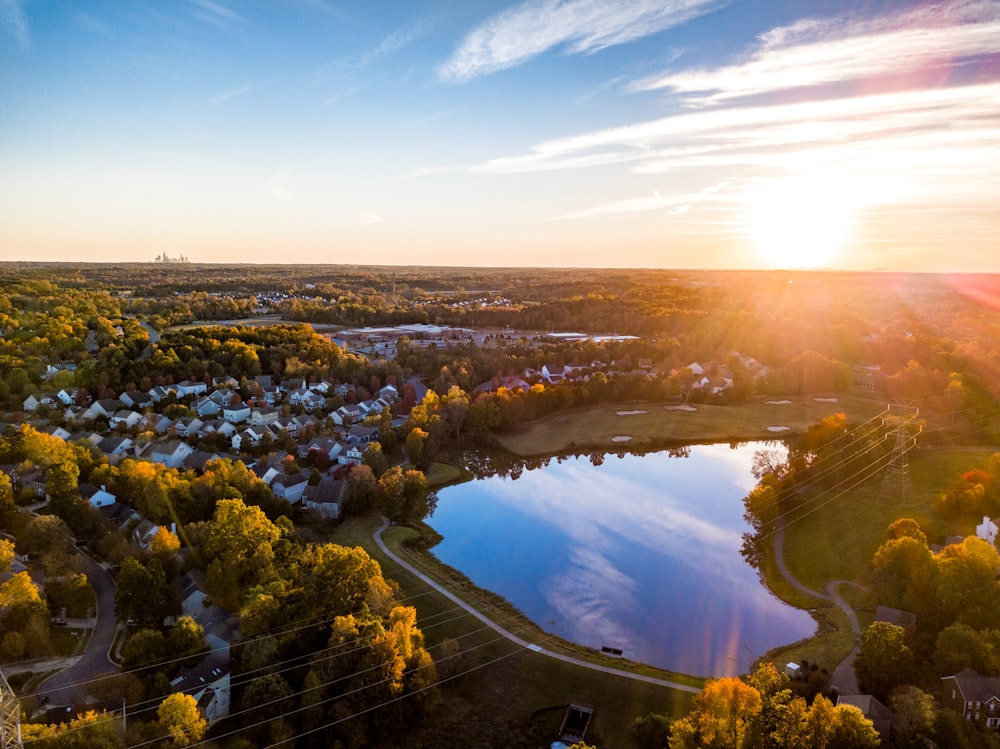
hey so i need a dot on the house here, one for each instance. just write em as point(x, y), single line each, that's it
point(186, 426)
point(155, 423)
point(67, 396)
point(36, 400)
point(389, 393)
point(326, 498)
point(136, 399)
point(254, 435)
point(344, 389)
point(236, 414)
point(58, 431)
point(205, 407)
point(553, 374)
point(114, 447)
point(987, 531)
point(105, 407)
point(209, 684)
point(227, 381)
point(141, 531)
point(351, 456)
point(189, 387)
point(125, 417)
point(871, 708)
point(348, 414)
point(973, 696)
point(290, 486)
point(264, 415)
point(360, 434)
point(96, 497)
point(321, 445)
point(162, 392)
point(170, 453)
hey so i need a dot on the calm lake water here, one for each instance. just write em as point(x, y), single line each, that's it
point(640, 553)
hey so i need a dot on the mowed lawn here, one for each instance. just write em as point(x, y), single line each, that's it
point(652, 424)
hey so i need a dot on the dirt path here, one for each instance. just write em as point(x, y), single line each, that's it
point(514, 638)
point(843, 677)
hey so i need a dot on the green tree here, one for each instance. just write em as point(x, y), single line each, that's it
point(141, 592)
point(415, 447)
point(884, 661)
point(959, 646)
point(914, 711)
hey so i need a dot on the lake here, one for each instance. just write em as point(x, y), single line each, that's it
point(640, 553)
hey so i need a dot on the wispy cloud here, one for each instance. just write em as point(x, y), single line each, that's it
point(524, 31)
point(214, 13)
point(227, 95)
point(369, 218)
point(13, 17)
point(670, 204)
point(816, 52)
point(343, 74)
point(919, 137)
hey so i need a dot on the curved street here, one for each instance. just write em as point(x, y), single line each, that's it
point(71, 685)
point(514, 638)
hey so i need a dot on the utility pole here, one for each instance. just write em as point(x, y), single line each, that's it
point(896, 481)
point(10, 717)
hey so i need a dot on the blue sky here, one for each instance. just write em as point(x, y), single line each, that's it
point(620, 133)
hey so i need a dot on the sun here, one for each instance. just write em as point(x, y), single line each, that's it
point(800, 222)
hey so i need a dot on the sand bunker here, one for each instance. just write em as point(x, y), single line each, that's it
point(682, 407)
point(778, 429)
point(621, 438)
point(632, 413)
point(778, 403)
point(825, 400)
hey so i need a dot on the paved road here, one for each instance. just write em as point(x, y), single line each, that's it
point(70, 686)
point(843, 677)
point(514, 638)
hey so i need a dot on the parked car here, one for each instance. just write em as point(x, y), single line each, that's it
point(59, 622)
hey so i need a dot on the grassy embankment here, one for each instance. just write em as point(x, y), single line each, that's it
point(504, 690)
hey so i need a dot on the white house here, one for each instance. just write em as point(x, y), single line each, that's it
point(189, 387)
point(96, 497)
point(987, 530)
point(170, 453)
point(290, 487)
point(209, 684)
point(236, 414)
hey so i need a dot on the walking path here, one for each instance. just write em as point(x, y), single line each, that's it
point(843, 677)
point(514, 638)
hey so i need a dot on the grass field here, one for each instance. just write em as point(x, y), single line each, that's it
point(665, 424)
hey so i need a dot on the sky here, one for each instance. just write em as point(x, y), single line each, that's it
point(848, 134)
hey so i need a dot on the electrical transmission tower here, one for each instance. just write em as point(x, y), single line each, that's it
point(897, 482)
point(10, 717)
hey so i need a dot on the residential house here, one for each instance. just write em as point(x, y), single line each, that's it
point(157, 423)
point(160, 393)
point(973, 696)
point(348, 414)
point(96, 497)
point(360, 434)
point(105, 407)
point(324, 445)
point(264, 415)
point(170, 453)
point(57, 431)
point(290, 486)
point(125, 417)
point(114, 447)
point(136, 399)
point(254, 434)
point(227, 381)
point(987, 531)
point(345, 389)
point(351, 456)
point(37, 400)
point(189, 387)
point(905, 619)
point(236, 414)
point(186, 426)
point(209, 684)
point(67, 396)
point(206, 407)
point(389, 393)
point(325, 498)
point(553, 374)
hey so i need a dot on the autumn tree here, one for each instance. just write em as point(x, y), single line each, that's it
point(884, 660)
point(180, 720)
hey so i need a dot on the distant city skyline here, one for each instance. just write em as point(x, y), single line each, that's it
point(851, 135)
